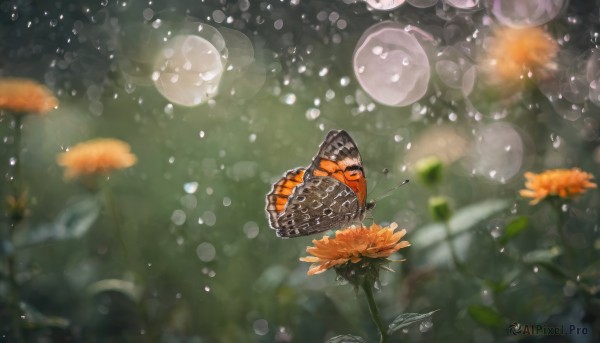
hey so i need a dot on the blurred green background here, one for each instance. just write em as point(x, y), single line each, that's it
point(199, 262)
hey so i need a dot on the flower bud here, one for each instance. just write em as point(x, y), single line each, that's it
point(429, 170)
point(439, 208)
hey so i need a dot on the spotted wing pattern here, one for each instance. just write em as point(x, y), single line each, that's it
point(318, 204)
point(329, 194)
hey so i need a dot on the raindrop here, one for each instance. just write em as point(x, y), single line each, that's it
point(226, 201)
point(425, 325)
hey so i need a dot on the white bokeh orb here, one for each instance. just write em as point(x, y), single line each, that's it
point(391, 65)
point(188, 70)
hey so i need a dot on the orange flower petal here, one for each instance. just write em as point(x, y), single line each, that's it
point(353, 244)
point(565, 183)
point(97, 156)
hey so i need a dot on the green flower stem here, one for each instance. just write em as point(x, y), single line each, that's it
point(11, 259)
point(113, 213)
point(561, 221)
point(17, 180)
point(453, 252)
point(367, 287)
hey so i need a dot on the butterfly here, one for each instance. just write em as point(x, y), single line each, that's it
point(331, 193)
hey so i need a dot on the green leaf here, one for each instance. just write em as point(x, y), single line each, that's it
point(407, 319)
point(73, 222)
point(126, 288)
point(485, 316)
point(346, 339)
point(513, 229)
point(464, 220)
point(32, 318)
point(541, 256)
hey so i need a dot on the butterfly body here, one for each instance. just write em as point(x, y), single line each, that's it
point(329, 194)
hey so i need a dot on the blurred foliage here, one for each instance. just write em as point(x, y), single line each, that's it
point(134, 269)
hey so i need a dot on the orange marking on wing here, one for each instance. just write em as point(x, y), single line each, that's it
point(285, 187)
point(355, 179)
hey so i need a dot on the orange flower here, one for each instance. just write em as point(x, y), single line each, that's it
point(565, 183)
point(25, 96)
point(97, 156)
point(353, 245)
point(514, 53)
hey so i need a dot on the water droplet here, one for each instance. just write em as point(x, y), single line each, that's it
point(226, 201)
point(425, 325)
point(190, 187)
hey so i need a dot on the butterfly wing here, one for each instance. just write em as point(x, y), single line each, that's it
point(316, 205)
point(338, 157)
point(281, 191)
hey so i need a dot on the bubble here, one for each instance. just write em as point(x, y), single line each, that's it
point(189, 70)
point(218, 16)
point(464, 4)
point(384, 5)
point(147, 13)
point(422, 3)
point(525, 13)
point(206, 252)
point(178, 217)
point(404, 56)
point(261, 327)
point(278, 25)
point(251, 229)
point(491, 159)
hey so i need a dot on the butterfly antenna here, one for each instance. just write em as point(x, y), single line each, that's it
point(389, 191)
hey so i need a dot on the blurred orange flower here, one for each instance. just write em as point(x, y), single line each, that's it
point(564, 183)
point(353, 245)
point(515, 54)
point(25, 96)
point(97, 156)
